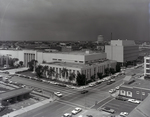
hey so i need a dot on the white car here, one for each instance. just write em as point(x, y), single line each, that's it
point(112, 90)
point(67, 115)
point(117, 88)
point(123, 114)
point(76, 110)
point(133, 101)
point(58, 94)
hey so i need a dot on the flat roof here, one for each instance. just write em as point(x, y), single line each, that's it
point(77, 65)
point(139, 83)
point(81, 52)
point(13, 93)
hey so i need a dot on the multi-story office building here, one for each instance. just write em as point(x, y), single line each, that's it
point(147, 66)
point(122, 50)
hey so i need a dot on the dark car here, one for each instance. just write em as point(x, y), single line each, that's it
point(107, 109)
point(84, 91)
point(121, 98)
point(109, 82)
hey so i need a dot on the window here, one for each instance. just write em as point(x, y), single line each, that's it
point(122, 92)
point(148, 71)
point(147, 66)
point(60, 59)
point(143, 93)
point(129, 93)
point(137, 92)
point(147, 61)
point(76, 61)
point(54, 59)
point(80, 61)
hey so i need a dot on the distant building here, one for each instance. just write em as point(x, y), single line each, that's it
point(147, 66)
point(135, 88)
point(122, 50)
point(100, 39)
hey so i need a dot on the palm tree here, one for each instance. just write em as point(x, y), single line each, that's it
point(71, 77)
point(64, 72)
point(51, 72)
point(45, 71)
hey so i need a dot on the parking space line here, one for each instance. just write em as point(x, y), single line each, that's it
point(106, 103)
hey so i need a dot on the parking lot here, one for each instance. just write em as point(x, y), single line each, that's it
point(120, 106)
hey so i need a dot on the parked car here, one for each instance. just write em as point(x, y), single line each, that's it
point(112, 90)
point(109, 82)
point(121, 98)
point(67, 115)
point(107, 109)
point(112, 80)
point(123, 114)
point(84, 91)
point(76, 110)
point(134, 101)
point(58, 94)
point(117, 88)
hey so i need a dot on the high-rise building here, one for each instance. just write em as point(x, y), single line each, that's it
point(122, 50)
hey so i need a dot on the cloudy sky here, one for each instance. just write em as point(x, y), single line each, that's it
point(74, 19)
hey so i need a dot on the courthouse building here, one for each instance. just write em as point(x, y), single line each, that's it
point(86, 62)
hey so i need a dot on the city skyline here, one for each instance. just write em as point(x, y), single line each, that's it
point(63, 20)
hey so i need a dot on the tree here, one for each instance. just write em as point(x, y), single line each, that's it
point(64, 72)
point(51, 72)
point(118, 67)
point(15, 60)
point(81, 79)
point(100, 75)
point(32, 65)
point(21, 63)
point(45, 71)
point(107, 71)
point(112, 71)
point(93, 77)
point(39, 71)
point(71, 77)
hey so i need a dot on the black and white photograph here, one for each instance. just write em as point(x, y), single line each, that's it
point(74, 58)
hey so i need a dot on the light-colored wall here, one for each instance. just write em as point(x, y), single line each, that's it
point(14, 54)
point(95, 56)
point(122, 53)
point(114, 53)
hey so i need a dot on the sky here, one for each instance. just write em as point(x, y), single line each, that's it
point(74, 20)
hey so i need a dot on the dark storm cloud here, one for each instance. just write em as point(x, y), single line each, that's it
point(73, 19)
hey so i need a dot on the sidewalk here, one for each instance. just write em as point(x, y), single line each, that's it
point(28, 108)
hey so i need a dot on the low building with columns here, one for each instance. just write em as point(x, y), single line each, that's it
point(85, 62)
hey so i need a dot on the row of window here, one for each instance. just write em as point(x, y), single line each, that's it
point(129, 93)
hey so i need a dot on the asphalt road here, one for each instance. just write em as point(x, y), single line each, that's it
point(73, 98)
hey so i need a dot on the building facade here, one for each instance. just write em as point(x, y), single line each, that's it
point(136, 89)
point(147, 66)
point(122, 50)
point(84, 62)
point(74, 68)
